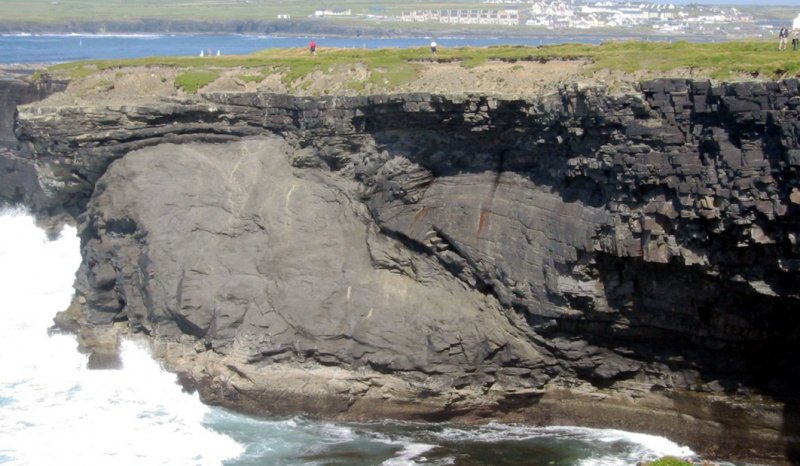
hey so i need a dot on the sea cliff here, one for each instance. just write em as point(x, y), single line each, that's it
point(17, 173)
point(579, 256)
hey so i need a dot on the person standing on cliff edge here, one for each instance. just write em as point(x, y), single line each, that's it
point(433, 47)
point(312, 47)
point(783, 35)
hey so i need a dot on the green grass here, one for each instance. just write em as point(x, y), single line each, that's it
point(719, 60)
point(51, 11)
point(252, 78)
point(389, 68)
point(192, 80)
point(669, 461)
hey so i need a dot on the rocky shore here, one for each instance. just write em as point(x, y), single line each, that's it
point(576, 256)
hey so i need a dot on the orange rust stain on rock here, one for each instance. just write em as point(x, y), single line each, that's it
point(483, 221)
point(423, 212)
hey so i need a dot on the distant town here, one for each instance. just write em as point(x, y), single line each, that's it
point(599, 15)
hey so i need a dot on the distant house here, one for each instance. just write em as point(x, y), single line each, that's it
point(333, 12)
point(796, 23)
point(504, 17)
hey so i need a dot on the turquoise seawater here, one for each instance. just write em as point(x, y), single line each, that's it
point(26, 48)
point(297, 441)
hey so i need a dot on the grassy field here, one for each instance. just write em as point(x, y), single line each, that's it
point(388, 69)
point(192, 80)
point(52, 11)
point(201, 10)
point(717, 60)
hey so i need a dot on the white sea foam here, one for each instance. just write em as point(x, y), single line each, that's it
point(623, 447)
point(656, 444)
point(54, 410)
point(336, 433)
point(643, 447)
point(87, 35)
point(409, 455)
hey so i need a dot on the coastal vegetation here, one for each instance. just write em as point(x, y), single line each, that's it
point(389, 68)
point(192, 80)
point(669, 461)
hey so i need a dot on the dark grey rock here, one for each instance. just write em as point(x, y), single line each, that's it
point(620, 226)
point(19, 183)
point(259, 259)
point(475, 243)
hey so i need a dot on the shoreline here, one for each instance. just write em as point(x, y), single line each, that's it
point(425, 36)
point(716, 428)
point(309, 28)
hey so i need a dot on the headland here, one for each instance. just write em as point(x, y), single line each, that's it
point(395, 234)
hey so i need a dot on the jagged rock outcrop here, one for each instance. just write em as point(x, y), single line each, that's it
point(18, 180)
point(580, 256)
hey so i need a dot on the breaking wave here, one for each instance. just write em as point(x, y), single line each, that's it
point(56, 411)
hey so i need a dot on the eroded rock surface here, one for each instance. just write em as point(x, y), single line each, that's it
point(455, 256)
point(18, 180)
point(268, 263)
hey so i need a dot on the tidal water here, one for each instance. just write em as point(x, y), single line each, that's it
point(26, 48)
point(54, 411)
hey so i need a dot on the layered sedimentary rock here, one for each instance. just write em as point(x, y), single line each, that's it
point(18, 181)
point(627, 260)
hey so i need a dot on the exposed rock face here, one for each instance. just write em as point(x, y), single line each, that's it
point(18, 181)
point(272, 266)
point(440, 257)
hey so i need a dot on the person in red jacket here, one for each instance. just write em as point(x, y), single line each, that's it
point(312, 46)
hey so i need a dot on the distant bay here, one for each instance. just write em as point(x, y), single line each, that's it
point(54, 48)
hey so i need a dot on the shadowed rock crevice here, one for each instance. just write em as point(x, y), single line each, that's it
point(19, 184)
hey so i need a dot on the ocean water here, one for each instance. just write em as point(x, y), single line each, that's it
point(26, 48)
point(54, 411)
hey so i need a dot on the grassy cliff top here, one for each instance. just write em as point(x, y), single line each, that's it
point(502, 69)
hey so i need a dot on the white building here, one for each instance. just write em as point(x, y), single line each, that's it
point(333, 12)
point(504, 17)
point(552, 9)
point(796, 23)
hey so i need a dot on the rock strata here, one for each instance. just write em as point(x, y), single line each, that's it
point(18, 180)
point(581, 256)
